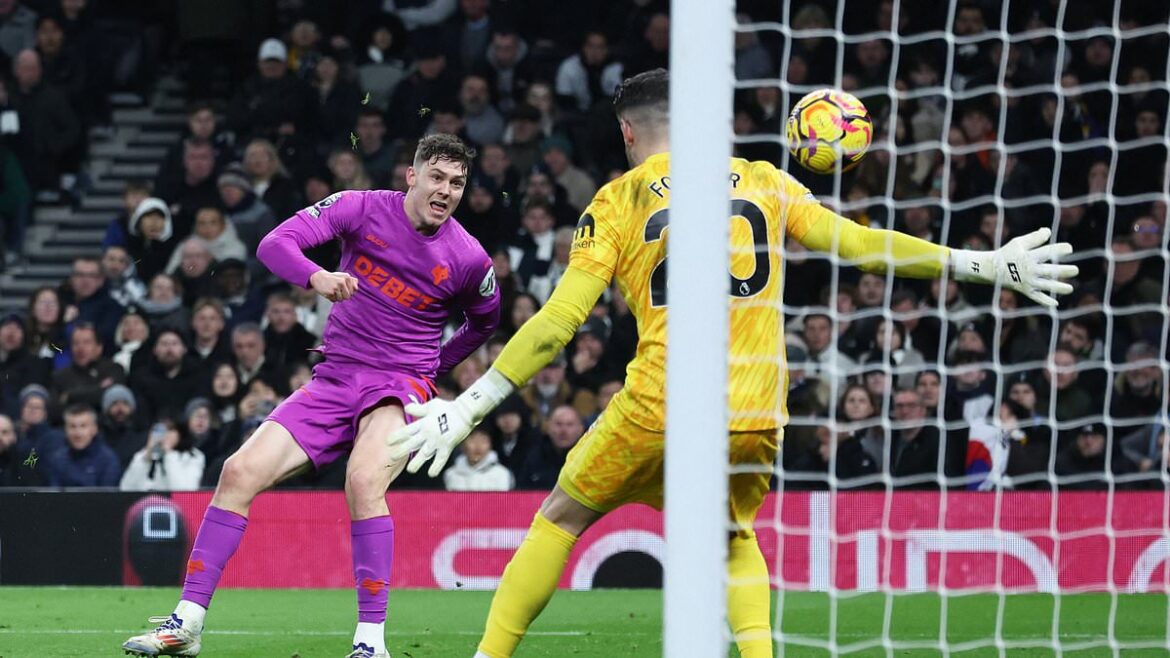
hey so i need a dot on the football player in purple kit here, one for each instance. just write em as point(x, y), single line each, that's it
point(404, 267)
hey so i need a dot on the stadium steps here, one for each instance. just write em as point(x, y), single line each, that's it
point(60, 233)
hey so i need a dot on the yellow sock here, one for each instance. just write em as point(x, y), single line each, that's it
point(528, 583)
point(749, 598)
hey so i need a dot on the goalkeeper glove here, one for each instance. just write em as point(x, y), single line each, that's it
point(440, 425)
point(1021, 265)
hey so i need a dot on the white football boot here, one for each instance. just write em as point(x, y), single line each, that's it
point(170, 638)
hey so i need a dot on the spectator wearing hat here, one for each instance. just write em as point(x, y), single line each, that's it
point(220, 235)
point(252, 218)
point(132, 333)
point(232, 288)
point(549, 389)
point(194, 188)
point(152, 237)
point(119, 423)
point(589, 368)
point(200, 421)
point(170, 378)
point(1086, 460)
point(557, 152)
point(430, 85)
point(1137, 390)
point(169, 462)
point(18, 367)
point(122, 276)
point(512, 434)
point(481, 120)
point(478, 468)
point(522, 137)
point(191, 267)
point(271, 97)
point(32, 423)
point(88, 292)
point(84, 460)
point(89, 373)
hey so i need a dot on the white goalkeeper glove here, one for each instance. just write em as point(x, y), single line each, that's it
point(1021, 265)
point(440, 425)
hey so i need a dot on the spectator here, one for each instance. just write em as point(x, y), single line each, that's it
point(83, 380)
point(248, 349)
point(312, 309)
point(338, 101)
point(548, 390)
point(254, 407)
point(1147, 449)
point(513, 436)
point(1082, 463)
point(14, 472)
point(858, 412)
point(163, 306)
point(305, 53)
point(202, 127)
point(589, 76)
point(287, 342)
point(201, 424)
point(468, 35)
point(190, 267)
point(18, 367)
point(531, 256)
point(483, 216)
point(348, 171)
point(17, 28)
point(63, 64)
point(824, 359)
point(252, 217)
point(478, 468)
point(270, 180)
point(50, 132)
point(563, 429)
point(121, 276)
point(914, 445)
point(541, 186)
point(219, 234)
point(652, 51)
point(1137, 390)
point(240, 302)
point(482, 123)
point(507, 70)
point(496, 164)
point(152, 237)
point(45, 335)
point(225, 394)
point(88, 292)
point(928, 384)
point(588, 368)
point(207, 324)
point(195, 188)
point(15, 198)
point(430, 85)
point(118, 425)
point(169, 379)
point(1029, 441)
point(843, 453)
point(131, 334)
point(579, 186)
point(169, 462)
point(377, 156)
point(271, 97)
point(1071, 402)
point(85, 460)
point(889, 346)
point(752, 60)
point(32, 427)
point(381, 64)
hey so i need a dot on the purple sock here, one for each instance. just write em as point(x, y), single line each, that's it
point(373, 555)
point(219, 536)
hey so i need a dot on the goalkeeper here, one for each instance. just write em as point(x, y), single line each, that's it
point(620, 459)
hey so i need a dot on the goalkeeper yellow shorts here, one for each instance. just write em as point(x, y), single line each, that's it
point(618, 462)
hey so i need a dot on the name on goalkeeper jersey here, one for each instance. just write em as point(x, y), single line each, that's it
point(662, 185)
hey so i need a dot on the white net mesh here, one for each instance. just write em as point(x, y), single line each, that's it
point(963, 470)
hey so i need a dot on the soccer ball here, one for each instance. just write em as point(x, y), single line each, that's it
point(829, 130)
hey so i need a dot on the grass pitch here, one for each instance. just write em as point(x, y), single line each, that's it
point(51, 622)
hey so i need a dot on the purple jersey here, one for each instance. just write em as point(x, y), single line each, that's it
point(407, 282)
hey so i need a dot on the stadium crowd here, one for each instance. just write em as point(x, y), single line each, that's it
point(158, 356)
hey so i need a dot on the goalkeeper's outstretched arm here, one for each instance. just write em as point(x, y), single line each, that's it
point(440, 425)
point(1021, 265)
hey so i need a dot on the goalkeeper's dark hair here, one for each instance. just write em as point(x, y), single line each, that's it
point(643, 96)
point(440, 146)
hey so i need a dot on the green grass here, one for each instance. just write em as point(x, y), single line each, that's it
point(62, 622)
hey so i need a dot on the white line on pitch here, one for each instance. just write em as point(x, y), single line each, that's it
point(117, 631)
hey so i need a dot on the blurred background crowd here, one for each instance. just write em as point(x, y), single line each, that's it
point(168, 343)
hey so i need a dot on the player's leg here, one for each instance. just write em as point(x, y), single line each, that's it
point(267, 457)
point(749, 594)
point(531, 577)
point(368, 474)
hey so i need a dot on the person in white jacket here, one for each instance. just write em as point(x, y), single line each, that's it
point(478, 468)
point(167, 463)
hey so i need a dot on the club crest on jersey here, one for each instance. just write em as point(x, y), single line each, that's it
point(440, 274)
point(583, 236)
point(316, 208)
point(487, 287)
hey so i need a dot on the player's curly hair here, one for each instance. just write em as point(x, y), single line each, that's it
point(441, 146)
point(649, 90)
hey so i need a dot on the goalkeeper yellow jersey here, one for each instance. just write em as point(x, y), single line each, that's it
point(622, 235)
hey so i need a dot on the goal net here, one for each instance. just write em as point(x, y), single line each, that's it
point(965, 472)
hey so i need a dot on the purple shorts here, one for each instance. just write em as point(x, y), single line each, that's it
point(323, 415)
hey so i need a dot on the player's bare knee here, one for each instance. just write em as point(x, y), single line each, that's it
point(364, 486)
point(239, 480)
